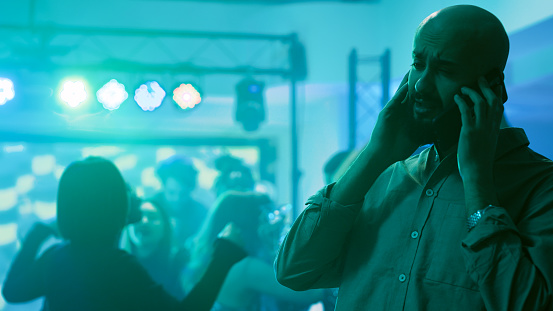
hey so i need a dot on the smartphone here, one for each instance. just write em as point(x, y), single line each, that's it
point(446, 126)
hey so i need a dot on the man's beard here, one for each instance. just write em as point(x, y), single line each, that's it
point(424, 133)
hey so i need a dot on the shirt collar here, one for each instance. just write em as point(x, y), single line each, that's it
point(509, 139)
point(421, 166)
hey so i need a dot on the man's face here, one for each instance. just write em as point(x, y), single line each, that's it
point(176, 192)
point(148, 232)
point(444, 60)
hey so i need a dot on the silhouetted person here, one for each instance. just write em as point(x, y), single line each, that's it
point(88, 271)
point(178, 176)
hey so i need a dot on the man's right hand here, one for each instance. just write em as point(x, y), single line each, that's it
point(392, 136)
point(391, 141)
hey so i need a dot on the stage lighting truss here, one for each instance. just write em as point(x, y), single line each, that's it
point(7, 91)
point(112, 95)
point(149, 95)
point(57, 48)
point(369, 91)
point(44, 48)
point(175, 52)
point(186, 96)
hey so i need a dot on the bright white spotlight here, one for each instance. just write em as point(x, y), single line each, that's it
point(149, 96)
point(73, 93)
point(186, 96)
point(6, 90)
point(112, 95)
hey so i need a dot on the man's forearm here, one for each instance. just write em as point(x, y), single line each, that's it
point(310, 255)
point(479, 193)
point(360, 176)
point(205, 292)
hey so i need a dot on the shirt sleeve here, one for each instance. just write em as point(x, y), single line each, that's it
point(512, 264)
point(312, 253)
point(24, 280)
point(205, 292)
point(137, 290)
point(132, 288)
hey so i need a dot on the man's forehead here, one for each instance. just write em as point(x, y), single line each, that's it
point(443, 41)
point(435, 48)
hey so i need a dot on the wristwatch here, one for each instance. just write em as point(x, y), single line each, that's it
point(475, 217)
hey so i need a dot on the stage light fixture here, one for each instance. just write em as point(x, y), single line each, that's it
point(149, 95)
point(250, 106)
point(112, 95)
point(6, 90)
point(73, 93)
point(186, 96)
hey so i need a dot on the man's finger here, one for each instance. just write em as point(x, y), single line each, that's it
point(404, 80)
point(466, 114)
point(480, 108)
point(400, 96)
point(490, 95)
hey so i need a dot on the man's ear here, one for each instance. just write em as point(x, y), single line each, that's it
point(504, 96)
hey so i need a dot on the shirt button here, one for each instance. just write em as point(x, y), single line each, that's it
point(414, 234)
point(429, 192)
point(402, 278)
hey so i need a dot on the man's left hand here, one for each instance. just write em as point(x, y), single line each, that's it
point(477, 143)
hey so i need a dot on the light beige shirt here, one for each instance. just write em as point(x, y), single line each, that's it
point(406, 247)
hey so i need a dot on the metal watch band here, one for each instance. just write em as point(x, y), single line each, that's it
point(475, 217)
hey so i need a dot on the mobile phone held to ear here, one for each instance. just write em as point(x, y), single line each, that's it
point(447, 125)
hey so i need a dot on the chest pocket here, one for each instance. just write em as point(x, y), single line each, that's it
point(447, 264)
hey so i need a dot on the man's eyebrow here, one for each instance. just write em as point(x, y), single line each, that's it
point(445, 62)
point(438, 61)
point(417, 54)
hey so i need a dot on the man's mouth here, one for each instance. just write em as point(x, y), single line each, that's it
point(424, 110)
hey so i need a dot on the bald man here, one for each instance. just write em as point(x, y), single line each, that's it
point(465, 225)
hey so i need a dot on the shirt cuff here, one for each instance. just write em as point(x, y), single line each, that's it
point(495, 221)
point(333, 215)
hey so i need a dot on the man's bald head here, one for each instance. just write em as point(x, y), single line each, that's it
point(452, 49)
point(475, 30)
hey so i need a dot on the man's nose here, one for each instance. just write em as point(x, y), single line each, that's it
point(425, 84)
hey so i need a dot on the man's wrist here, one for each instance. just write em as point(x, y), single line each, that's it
point(475, 217)
point(479, 193)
